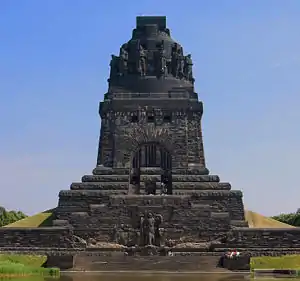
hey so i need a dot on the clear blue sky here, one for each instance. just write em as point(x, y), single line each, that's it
point(54, 58)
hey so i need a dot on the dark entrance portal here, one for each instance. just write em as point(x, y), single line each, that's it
point(152, 155)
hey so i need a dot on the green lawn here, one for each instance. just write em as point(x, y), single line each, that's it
point(282, 262)
point(39, 220)
point(25, 265)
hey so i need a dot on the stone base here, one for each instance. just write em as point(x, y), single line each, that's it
point(236, 263)
point(63, 262)
point(120, 261)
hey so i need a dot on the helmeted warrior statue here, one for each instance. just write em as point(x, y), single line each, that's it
point(188, 67)
point(141, 62)
point(123, 60)
point(151, 61)
point(114, 66)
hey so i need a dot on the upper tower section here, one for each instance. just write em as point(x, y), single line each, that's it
point(151, 61)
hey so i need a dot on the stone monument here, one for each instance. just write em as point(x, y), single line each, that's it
point(151, 137)
point(151, 192)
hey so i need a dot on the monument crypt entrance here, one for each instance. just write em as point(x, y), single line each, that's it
point(154, 156)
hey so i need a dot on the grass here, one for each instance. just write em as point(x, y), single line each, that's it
point(39, 220)
point(256, 220)
point(25, 265)
point(282, 262)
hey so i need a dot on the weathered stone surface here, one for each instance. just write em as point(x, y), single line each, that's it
point(43, 237)
point(264, 238)
point(106, 185)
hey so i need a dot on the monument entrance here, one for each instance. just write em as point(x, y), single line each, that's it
point(151, 155)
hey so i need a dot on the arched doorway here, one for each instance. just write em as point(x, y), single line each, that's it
point(152, 155)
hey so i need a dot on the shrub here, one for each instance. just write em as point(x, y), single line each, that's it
point(291, 218)
point(7, 217)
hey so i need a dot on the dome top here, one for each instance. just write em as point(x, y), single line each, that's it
point(151, 61)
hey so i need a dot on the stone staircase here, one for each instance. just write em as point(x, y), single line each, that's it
point(117, 261)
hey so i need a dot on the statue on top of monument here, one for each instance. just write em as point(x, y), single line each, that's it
point(114, 66)
point(141, 60)
point(188, 67)
point(162, 69)
point(177, 61)
point(123, 59)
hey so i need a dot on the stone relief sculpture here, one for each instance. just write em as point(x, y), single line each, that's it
point(188, 67)
point(161, 59)
point(114, 66)
point(149, 229)
point(141, 67)
point(136, 58)
point(123, 61)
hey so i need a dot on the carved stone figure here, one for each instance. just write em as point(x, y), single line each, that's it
point(188, 67)
point(119, 235)
point(161, 61)
point(159, 232)
point(163, 188)
point(174, 60)
point(180, 66)
point(149, 229)
point(123, 61)
point(177, 64)
point(141, 67)
point(114, 66)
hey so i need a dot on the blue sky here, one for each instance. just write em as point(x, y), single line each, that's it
point(54, 58)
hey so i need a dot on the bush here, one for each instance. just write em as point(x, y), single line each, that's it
point(7, 217)
point(291, 219)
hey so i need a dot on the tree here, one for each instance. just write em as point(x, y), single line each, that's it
point(291, 218)
point(7, 217)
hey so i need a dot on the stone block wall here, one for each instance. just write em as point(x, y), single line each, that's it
point(194, 218)
point(264, 238)
point(120, 135)
point(44, 237)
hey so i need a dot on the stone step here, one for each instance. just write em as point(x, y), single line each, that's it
point(190, 171)
point(60, 223)
point(100, 185)
point(175, 178)
point(239, 223)
point(220, 215)
point(200, 206)
point(100, 170)
point(195, 178)
point(149, 200)
point(65, 210)
point(105, 178)
point(83, 194)
point(124, 186)
point(121, 262)
point(200, 186)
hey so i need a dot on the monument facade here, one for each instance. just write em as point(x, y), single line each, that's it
point(151, 155)
point(150, 192)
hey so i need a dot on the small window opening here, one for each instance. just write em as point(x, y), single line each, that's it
point(134, 118)
point(167, 119)
point(150, 118)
